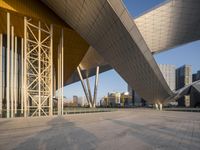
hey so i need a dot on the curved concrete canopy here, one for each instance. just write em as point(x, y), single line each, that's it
point(171, 24)
point(107, 26)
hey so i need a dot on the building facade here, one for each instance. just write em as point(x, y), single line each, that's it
point(196, 76)
point(184, 78)
point(136, 99)
point(117, 99)
point(168, 72)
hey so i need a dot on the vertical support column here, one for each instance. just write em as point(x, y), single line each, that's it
point(39, 68)
point(12, 67)
point(25, 65)
point(8, 68)
point(15, 77)
point(52, 74)
point(160, 106)
point(83, 85)
point(62, 72)
point(54, 82)
point(156, 105)
point(1, 81)
point(89, 92)
point(96, 86)
point(22, 75)
point(91, 101)
point(59, 86)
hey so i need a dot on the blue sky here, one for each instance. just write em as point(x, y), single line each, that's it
point(110, 81)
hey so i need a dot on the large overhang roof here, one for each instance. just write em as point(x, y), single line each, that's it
point(107, 26)
point(171, 24)
point(168, 25)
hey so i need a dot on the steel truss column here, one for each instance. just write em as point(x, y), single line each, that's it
point(91, 101)
point(8, 68)
point(38, 69)
point(1, 81)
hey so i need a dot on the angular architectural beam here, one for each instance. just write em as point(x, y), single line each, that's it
point(91, 100)
point(107, 26)
point(170, 24)
point(83, 85)
point(96, 86)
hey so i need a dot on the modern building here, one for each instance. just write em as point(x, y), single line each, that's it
point(196, 76)
point(136, 99)
point(116, 99)
point(75, 99)
point(126, 99)
point(184, 78)
point(47, 44)
point(168, 71)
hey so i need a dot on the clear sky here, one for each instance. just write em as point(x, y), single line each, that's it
point(110, 81)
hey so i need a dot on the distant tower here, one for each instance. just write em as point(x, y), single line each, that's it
point(168, 72)
point(136, 99)
point(183, 78)
point(196, 76)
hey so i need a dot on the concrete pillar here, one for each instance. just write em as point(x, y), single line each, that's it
point(156, 105)
point(96, 86)
point(160, 106)
point(1, 81)
point(8, 68)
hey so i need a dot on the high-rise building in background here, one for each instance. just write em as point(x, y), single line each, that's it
point(169, 74)
point(75, 99)
point(117, 99)
point(136, 99)
point(196, 76)
point(184, 78)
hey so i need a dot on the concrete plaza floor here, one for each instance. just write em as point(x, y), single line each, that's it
point(131, 129)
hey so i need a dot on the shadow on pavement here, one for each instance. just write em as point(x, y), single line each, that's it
point(62, 135)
